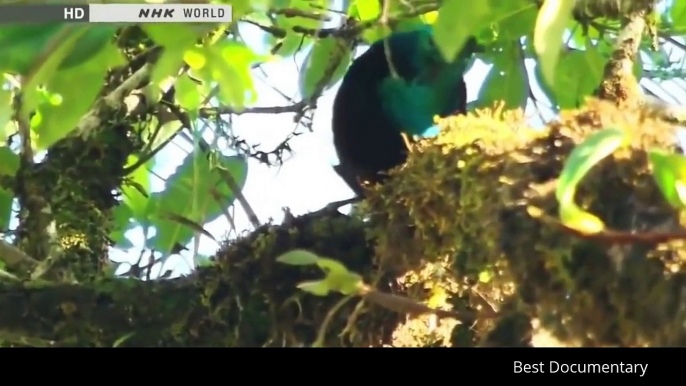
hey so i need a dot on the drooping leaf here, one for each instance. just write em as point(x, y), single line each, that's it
point(553, 18)
point(189, 195)
point(584, 156)
point(136, 191)
point(318, 61)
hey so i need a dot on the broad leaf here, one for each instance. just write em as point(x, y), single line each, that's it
point(506, 80)
point(57, 120)
point(457, 21)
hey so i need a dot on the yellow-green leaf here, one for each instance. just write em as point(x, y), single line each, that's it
point(574, 217)
point(678, 14)
point(318, 288)
point(584, 156)
point(188, 94)
point(551, 22)
point(298, 257)
point(669, 171)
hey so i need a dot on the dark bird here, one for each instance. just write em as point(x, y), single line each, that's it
point(373, 108)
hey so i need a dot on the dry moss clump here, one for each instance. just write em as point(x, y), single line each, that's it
point(459, 206)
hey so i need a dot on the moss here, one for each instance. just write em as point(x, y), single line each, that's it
point(264, 303)
point(460, 203)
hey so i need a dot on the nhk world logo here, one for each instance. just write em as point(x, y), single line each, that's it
point(159, 13)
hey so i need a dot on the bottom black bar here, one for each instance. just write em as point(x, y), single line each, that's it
point(440, 364)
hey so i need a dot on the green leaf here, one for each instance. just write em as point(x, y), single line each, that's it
point(506, 80)
point(162, 134)
point(367, 10)
point(94, 39)
point(188, 94)
point(46, 64)
point(551, 22)
point(578, 75)
point(516, 19)
point(338, 278)
point(121, 224)
point(584, 156)
point(22, 43)
point(9, 164)
point(59, 120)
point(298, 257)
point(576, 218)
point(457, 21)
point(136, 191)
point(331, 267)
point(669, 171)
point(677, 13)
point(318, 288)
point(123, 339)
point(176, 40)
point(318, 61)
point(196, 58)
point(189, 195)
point(230, 64)
point(5, 109)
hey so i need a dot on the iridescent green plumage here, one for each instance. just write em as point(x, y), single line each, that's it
point(430, 89)
point(372, 107)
